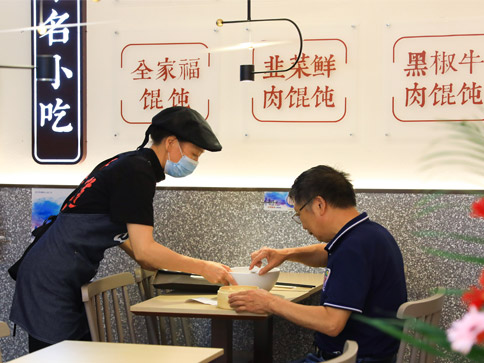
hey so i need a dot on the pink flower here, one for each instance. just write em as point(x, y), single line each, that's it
point(478, 209)
point(464, 333)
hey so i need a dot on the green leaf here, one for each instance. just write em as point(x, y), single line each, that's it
point(441, 234)
point(477, 353)
point(472, 165)
point(455, 256)
point(431, 209)
point(430, 197)
point(447, 291)
point(464, 146)
point(394, 328)
point(470, 153)
point(435, 340)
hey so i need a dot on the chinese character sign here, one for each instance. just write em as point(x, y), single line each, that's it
point(58, 124)
point(438, 78)
point(312, 91)
point(160, 75)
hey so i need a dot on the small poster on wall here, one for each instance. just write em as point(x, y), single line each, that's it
point(277, 201)
point(45, 203)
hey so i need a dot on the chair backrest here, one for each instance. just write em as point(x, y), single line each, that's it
point(427, 310)
point(143, 279)
point(98, 296)
point(158, 327)
point(4, 332)
point(350, 352)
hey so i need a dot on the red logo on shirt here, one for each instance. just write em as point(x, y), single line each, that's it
point(71, 203)
point(86, 183)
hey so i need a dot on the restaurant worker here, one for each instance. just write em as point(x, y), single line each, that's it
point(364, 271)
point(113, 206)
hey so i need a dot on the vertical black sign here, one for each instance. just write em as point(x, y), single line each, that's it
point(58, 125)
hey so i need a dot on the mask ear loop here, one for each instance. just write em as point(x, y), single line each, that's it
point(181, 151)
point(179, 146)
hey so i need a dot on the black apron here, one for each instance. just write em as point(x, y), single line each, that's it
point(47, 301)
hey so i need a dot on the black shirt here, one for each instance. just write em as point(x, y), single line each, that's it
point(122, 187)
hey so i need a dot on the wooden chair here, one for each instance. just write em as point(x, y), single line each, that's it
point(4, 332)
point(98, 296)
point(349, 353)
point(157, 326)
point(427, 310)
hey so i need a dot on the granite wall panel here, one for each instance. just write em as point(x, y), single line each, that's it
point(227, 225)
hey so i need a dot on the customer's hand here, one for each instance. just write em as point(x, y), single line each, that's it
point(217, 273)
point(274, 258)
point(253, 301)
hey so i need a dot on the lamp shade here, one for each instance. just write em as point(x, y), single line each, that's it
point(247, 72)
point(45, 68)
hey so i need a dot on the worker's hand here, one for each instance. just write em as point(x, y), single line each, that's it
point(253, 301)
point(217, 273)
point(274, 258)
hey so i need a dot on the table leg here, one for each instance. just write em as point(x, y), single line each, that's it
point(263, 340)
point(222, 338)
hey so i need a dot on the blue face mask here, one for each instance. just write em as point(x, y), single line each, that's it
point(185, 166)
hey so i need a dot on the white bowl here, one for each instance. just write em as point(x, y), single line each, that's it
point(244, 276)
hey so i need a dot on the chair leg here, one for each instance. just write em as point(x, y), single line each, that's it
point(162, 327)
point(173, 330)
point(152, 331)
point(187, 331)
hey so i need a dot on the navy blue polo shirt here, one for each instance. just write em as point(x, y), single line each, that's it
point(365, 275)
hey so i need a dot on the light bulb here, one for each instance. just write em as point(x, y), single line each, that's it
point(42, 29)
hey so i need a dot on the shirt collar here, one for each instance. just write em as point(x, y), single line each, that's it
point(347, 227)
point(150, 155)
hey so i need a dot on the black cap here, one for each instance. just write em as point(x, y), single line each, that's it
point(187, 124)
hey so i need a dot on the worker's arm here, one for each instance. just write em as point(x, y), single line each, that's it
point(152, 255)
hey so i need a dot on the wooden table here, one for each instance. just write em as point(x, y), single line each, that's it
point(100, 352)
point(176, 304)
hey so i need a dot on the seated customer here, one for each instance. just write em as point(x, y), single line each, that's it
point(364, 270)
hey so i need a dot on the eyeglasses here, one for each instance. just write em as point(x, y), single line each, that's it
point(296, 216)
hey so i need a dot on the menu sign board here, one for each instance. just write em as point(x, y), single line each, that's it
point(58, 127)
point(438, 78)
point(315, 90)
point(160, 75)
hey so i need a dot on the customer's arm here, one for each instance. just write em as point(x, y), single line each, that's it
point(327, 320)
point(313, 255)
point(152, 255)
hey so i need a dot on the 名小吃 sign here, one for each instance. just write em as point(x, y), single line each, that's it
point(58, 127)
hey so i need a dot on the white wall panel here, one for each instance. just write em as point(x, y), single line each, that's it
point(377, 150)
